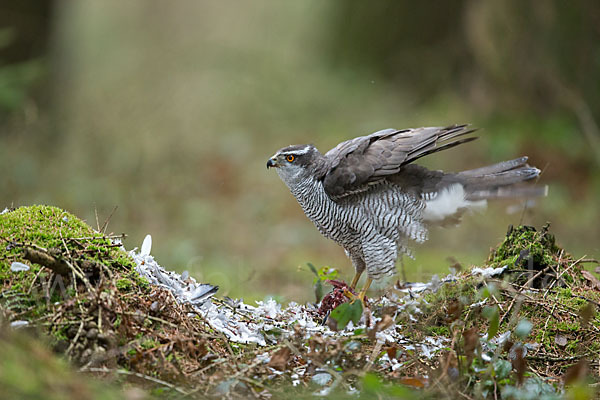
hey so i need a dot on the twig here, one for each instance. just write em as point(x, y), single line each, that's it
point(139, 375)
point(464, 395)
point(121, 236)
point(44, 258)
point(157, 319)
point(374, 353)
point(251, 381)
point(105, 224)
point(34, 279)
point(561, 274)
point(545, 328)
point(96, 214)
point(589, 260)
point(494, 297)
point(81, 276)
point(556, 359)
point(74, 339)
point(99, 316)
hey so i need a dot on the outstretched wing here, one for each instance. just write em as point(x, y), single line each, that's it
point(353, 165)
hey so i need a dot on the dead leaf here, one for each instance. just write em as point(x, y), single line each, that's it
point(560, 340)
point(280, 358)
point(594, 282)
point(587, 313)
point(455, 267)
point(386, 322)
point(415, 382)
point(332, 324)
point(391, 352)
point(508, 344)
point(471, 341)
point(447, 369)
point(576, 372)
point(453, 310)
point(519, 363)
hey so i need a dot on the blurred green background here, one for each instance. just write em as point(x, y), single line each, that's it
point(169, 111)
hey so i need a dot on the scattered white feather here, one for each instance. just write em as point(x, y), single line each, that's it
point(501, 338)
point(321, 378)
point(146, 246)
point(244, 323)
point(18, 324)
point(263, 358)
point(448, 203)
point(432, 285)
point(4, 211)
point(478, 304)
point(488, 272)
point(18, 266)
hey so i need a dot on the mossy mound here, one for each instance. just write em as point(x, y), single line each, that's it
point(525, 244)
point(542, 285)
point(55, 231)
point(83, 292)
point(530, 256)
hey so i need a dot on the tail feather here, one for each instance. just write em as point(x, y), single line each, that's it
point(456, 194)
point(495, 168)
point(501, 180)
point(508, 192)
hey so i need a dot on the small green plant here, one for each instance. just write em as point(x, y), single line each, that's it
point(322, 275)
point(347, 312)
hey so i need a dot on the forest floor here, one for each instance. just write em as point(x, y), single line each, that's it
point(80, 317)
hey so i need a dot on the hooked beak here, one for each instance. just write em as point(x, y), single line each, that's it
point(272, 163)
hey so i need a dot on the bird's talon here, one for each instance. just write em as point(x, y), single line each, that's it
point(350, 295)
point(353, 297)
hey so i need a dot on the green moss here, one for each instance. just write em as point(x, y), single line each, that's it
point(61, 333)
point(442, 330)
point(565, 326)
point(50, 227)
point(133, 279)
point(141, 282)
point(44, 226)
point(124, 284)
point(149, 343)
point(464, 290)
point(63, 233)
point(525, 244)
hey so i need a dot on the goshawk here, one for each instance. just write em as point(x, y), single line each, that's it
point(366, 195)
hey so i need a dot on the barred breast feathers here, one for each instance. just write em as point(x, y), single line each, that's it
point(384, 210)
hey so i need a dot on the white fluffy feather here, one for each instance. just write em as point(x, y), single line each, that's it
point(449, 202)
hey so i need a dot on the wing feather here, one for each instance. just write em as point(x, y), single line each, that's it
point(355, 164)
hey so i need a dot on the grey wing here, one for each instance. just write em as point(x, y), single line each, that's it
point(353, 165)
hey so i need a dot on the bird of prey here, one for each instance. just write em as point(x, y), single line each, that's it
point(368, 196)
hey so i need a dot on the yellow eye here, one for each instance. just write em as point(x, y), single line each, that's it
point(290, 158)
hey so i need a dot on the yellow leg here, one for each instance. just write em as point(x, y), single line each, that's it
point(363, 292)
point(361, 295)
point(355, 280)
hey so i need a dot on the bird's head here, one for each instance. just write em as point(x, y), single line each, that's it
point(294, 163)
